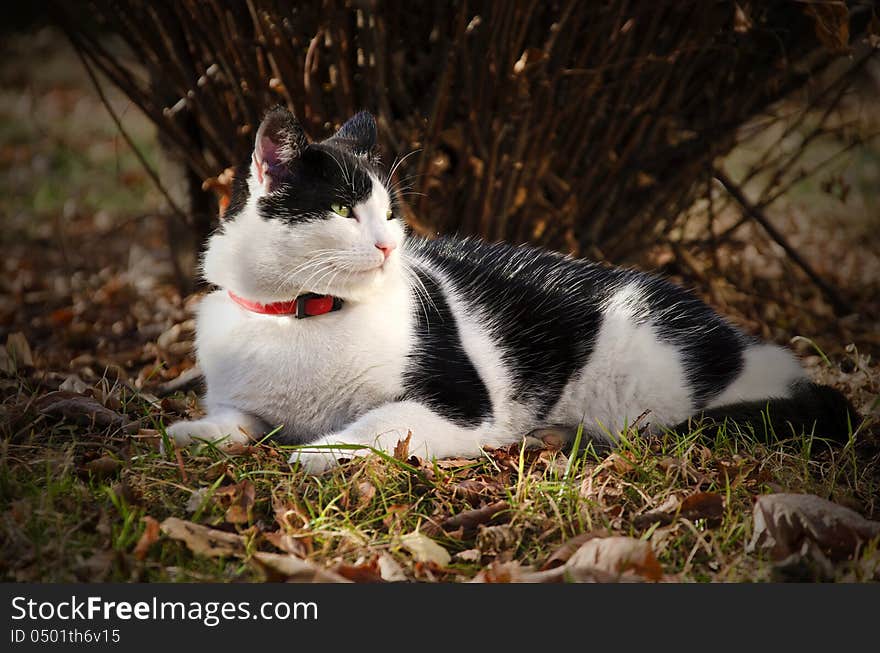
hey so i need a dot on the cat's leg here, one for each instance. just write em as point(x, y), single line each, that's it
point(433, 436)
point(224, 426)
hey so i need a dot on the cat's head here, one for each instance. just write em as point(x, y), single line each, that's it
point(308, 217)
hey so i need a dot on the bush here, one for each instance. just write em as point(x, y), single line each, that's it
point(584, 126)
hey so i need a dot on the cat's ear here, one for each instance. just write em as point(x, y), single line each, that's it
point(358, 134)
point(279, 143)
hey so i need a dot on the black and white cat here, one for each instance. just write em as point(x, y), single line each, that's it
point(331, 326)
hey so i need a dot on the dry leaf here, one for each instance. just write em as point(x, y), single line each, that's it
point(568, 548)
point(703, 505)
point(19, 350)
point(365, 493)
point(187, 380)
point(279, 566)
point(455, 463)
point(619, 463)
point(401, 449)
point(831, 22)
point(473, 490)
point(800, 524)
point(367, 572)
point(74, 384)
point(238, 500)
point(424, 549)
point(742, 23)
point(102, 467)
point(648, 519)
point(149, 537)
point(390, 569)
point(470, 519)
point(82, 410)
point(495, 540)
point(514, 572)
point(203, 540)
point(298, 546)
point(469, 555)
point(621, 557)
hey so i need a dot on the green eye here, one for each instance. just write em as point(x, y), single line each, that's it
point(341, 210)
point(389, 214)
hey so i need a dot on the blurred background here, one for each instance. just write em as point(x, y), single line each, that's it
point(730, 145)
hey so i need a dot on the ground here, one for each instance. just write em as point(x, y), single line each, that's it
point(95, 328)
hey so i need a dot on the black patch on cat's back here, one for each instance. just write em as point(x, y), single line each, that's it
point(544, 309)
point(710, 347)
point(440, 374)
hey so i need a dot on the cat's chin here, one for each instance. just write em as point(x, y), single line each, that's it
point(362, 284)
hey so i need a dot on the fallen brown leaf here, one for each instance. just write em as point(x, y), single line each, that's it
point(367, 572)
point(514, 572)
point(473, 490)
point(455, 463)
point(401, 449)
point(561, 555)
point(624, 558)
point(238, 500)
point(102, 467)
point(149, 537)
point(83, 410)
point(298, 546)
point(279, 566)
point(203, 540)
point(618, 463)
point(648, 519)
point(496, 540)
point(395, 513)
point(470, 519)
point(188, 380)
point(703, 505)
point(803, 525)
point(831, 23)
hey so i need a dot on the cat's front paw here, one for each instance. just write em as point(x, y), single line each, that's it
point(224, 436)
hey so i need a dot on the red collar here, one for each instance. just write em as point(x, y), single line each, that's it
point(306, 305)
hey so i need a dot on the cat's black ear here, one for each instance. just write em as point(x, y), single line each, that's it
point(280, 141)
point(358, 134)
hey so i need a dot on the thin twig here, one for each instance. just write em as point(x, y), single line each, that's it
point(182, 280)
point(841, 306)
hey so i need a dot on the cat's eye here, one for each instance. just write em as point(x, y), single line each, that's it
point(389, 214)
point(341, 210)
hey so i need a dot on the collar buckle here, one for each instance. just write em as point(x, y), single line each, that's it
point(312, 304)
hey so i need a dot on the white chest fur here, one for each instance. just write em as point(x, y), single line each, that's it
point(309, 376)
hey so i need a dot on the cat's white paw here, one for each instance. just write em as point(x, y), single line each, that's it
point(203, 430)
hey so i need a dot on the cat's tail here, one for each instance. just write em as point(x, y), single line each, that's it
point(813, 409)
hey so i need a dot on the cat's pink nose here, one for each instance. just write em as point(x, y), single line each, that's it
point(386, 249)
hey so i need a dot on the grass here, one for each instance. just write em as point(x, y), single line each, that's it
point(64, 519)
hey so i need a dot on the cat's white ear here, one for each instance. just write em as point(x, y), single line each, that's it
point(279, 143)
point(358, 134)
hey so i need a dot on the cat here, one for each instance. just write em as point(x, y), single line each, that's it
point(331, 326)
